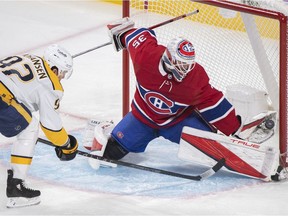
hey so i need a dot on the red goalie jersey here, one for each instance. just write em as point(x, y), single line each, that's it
point(160, 100)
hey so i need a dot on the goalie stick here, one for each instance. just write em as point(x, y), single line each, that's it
point(89, 50)
point(152, 27)
point(199, 177)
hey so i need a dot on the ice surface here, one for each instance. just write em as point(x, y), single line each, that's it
point(94, 91)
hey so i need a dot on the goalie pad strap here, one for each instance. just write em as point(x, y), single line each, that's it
point(114, 150)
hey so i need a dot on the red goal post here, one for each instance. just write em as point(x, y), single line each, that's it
point(237, 43)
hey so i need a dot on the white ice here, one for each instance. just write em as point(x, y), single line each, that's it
point(94, 91)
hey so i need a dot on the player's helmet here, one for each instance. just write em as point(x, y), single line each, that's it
point(57, 56)
point(179, 57)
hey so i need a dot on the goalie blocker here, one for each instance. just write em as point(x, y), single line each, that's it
point(117, 29)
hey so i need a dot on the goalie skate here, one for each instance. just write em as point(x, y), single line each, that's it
point(281, 174)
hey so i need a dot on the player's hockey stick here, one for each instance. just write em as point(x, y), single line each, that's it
point(199, 177)
point(89, 50)
point(152, 27)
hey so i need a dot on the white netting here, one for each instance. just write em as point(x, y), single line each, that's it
point(222, 43)
point(275, 5)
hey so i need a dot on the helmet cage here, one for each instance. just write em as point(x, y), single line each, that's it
point(178, 75)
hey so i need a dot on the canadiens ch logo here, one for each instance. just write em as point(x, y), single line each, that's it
point(159, 103)
point(185, 49)
point(120, 135)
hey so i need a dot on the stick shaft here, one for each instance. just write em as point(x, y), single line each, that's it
point(89, 50)
point(204, 175)
point(213, 129)
point(174, 19)
point(152, 27)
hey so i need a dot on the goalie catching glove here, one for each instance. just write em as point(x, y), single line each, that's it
point(68, 151)
point(259, 129)
point(117, 29)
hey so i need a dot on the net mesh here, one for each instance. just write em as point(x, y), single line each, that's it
point(221, 40)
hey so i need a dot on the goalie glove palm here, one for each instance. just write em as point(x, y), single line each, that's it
point(260, 129)
point(69, 151)
point(117, 29)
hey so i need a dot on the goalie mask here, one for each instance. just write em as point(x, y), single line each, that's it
point(57, 56)
point(179, 58)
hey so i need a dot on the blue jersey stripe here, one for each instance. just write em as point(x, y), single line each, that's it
point(137, 32)
point(217, 112)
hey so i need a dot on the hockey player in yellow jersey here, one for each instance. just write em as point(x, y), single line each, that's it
point(29, 85)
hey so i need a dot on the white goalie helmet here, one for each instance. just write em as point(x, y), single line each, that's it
point(57, 56)
point(179, 57)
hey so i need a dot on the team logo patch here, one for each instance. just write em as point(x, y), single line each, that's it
point(18, 127)
point(120, 135)
point(186, 50)
point(159, 103)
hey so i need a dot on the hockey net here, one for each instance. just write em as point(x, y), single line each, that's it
point(243, 42)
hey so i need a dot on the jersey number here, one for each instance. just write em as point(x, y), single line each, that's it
point(138, 41)
point(57, 104)
point(8, 62)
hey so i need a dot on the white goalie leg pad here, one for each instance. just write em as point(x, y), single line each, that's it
point(248, 101)
point(257, 119)
point(242, 157)
point(102, 132)
point(17, 202)
point(88, 134)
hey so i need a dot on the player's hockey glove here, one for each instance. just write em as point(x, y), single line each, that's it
point(117, 29)
point(69, 151)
